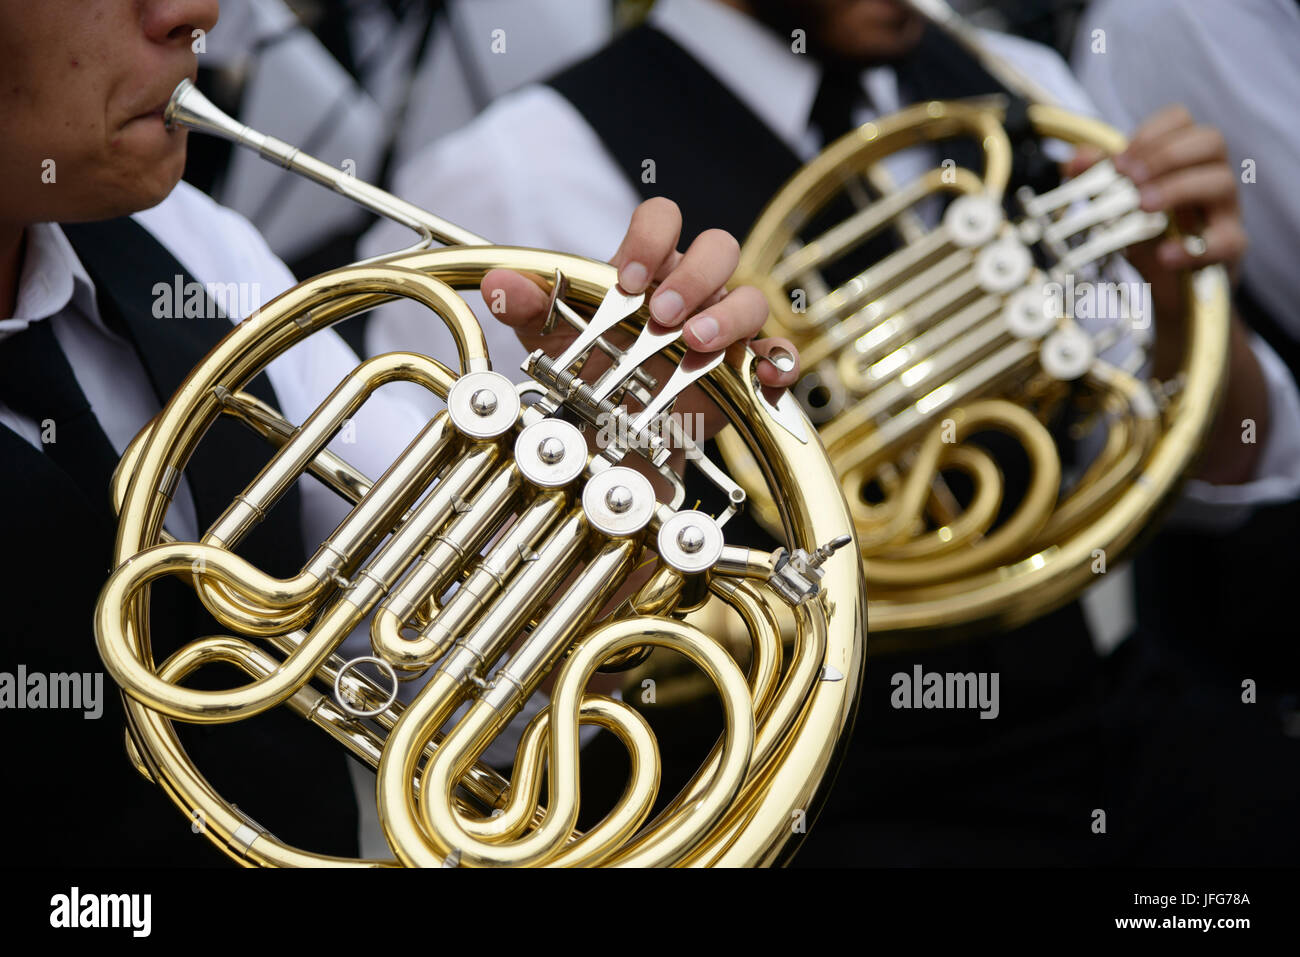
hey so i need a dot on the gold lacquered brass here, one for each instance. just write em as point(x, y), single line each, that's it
point(462, 551)
point(913, 353)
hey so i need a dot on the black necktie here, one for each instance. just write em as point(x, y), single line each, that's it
point(839, 96)
point(36, 381)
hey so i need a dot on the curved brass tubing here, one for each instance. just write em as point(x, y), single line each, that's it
point(916, 338)
point(500, 574)
point(1028, 519)
point(530, 767)
point(449, 836)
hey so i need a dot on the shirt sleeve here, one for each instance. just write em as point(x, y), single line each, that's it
point(470, 178)
point(1277, 471)
point(1131, 75)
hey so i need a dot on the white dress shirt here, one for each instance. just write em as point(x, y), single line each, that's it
point(569, 194)
point(1235, 64)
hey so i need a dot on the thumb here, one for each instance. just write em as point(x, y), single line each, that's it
point(514, 299)
point(1085, 157)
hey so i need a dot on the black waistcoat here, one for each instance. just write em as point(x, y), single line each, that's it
point(713, 155)
point(72, 786)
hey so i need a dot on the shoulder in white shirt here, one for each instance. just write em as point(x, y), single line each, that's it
point(215, 245)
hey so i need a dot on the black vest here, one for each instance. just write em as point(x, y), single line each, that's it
point(72, 789)
point(1243, 621)
point(712, 154)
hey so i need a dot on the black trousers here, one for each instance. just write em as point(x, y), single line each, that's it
point(1184, 772)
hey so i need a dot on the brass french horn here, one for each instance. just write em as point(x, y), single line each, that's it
point(498, 521)
point(967, 327)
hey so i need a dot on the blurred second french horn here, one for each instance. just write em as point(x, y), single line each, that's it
point(976, 359)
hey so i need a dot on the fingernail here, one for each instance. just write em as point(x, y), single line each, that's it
point(782, 358)
point(1152, 200)
point(633, 277)
point(666, 306)
point(703, 329)
point(1195, 246)
point(1136, 170)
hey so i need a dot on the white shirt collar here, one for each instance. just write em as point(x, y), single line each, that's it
point(759, 68)
point(52, 277)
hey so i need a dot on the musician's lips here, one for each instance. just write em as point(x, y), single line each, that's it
point(148, 130)
point(151, 115)
point(155, 110)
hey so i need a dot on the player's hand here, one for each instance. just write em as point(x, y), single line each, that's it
point(690, 291)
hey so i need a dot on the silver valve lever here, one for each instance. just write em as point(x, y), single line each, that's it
point(1090, 183)
point(653, 339)
point(797, 576)
point(615, 307)
point(553, 373)
point(694, 366)
point(592, 402)
point(816, 559)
